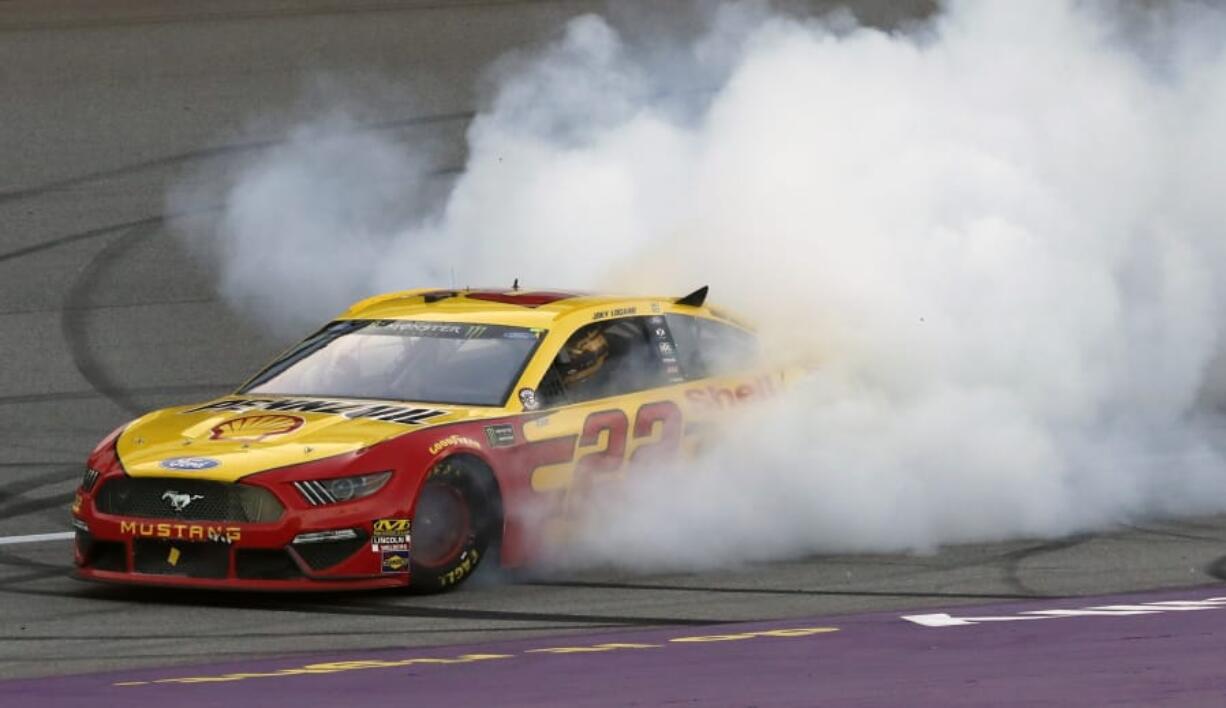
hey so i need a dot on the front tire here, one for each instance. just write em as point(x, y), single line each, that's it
point(455, 522)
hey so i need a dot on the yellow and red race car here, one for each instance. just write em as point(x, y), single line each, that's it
point(406, 440)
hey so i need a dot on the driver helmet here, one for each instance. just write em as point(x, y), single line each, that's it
point(583, 357)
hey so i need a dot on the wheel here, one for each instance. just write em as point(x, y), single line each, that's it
point(454, 524)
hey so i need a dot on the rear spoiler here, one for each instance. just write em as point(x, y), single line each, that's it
point(694, 299)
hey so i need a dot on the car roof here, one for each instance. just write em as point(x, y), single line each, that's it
point(515, 307)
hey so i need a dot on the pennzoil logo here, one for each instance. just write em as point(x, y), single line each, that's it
point(182, 532)
point(368, 411)
point(391, 526)
point(254, 428)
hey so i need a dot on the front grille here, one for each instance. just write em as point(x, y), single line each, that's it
point(198, 500)
point(192, 560)
point(265, 564)
point(326, 554)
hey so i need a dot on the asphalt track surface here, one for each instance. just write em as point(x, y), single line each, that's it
point(1139, 649)
point(103, 105)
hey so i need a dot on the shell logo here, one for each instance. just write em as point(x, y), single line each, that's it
point(254, 428)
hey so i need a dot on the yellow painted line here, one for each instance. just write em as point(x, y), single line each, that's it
point(333, 667)
point(592, 649)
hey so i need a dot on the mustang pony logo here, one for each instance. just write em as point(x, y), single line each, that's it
point(179, 501)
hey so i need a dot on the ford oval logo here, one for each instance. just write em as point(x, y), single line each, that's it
point(189, 464)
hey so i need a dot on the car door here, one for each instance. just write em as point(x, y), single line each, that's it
point(615, 390)
point(658, 387)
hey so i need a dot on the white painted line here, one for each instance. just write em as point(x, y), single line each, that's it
point(942, 619)
point(36, 538)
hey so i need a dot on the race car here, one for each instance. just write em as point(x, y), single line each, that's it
point(410, 438)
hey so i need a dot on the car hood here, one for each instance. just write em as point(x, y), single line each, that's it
point(233, 437)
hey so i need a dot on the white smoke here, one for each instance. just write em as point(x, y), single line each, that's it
point(1001, 232)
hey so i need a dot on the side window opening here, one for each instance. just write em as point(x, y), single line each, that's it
point(726, 348)
point(710, 348)
point(603, 359)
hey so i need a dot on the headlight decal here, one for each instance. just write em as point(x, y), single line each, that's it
point(320, 492)
point(314, 492)
point(90, 479)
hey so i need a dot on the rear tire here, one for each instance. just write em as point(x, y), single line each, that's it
point(455, 522)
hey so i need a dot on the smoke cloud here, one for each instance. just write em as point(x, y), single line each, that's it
point(1000, 231)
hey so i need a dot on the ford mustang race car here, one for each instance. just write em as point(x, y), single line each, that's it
point(408, 439)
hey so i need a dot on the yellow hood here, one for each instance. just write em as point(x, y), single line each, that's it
point(233, 437)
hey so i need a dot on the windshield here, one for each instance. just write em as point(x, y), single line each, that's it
point(401, 360)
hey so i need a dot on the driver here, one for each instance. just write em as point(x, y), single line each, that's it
point(582, 358)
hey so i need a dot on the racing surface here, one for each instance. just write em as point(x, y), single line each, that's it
point(104, 316)
point(1138, 649)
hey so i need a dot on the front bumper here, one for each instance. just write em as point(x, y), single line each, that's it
point(231, 555)
point(301, 585)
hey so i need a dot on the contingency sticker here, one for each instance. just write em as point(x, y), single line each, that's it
point(395, 561)
point(500, 435)
point(386, 526)
point(390, 535)
point(663, 339)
